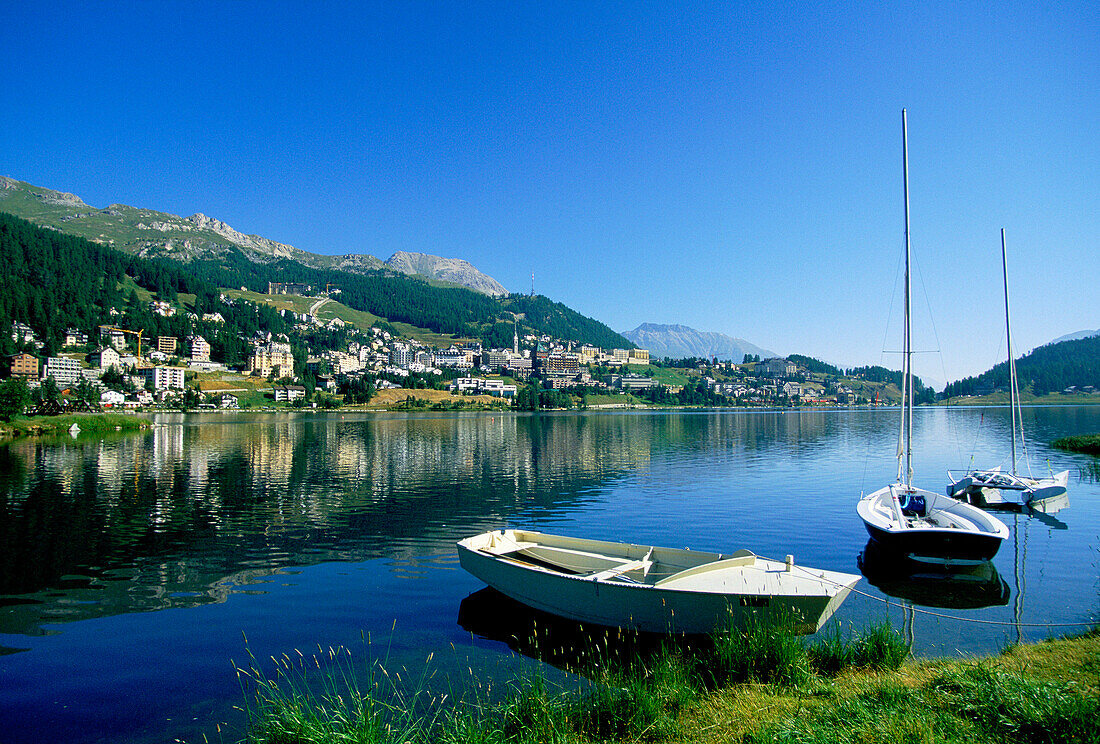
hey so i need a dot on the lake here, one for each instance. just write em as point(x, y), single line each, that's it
point(135, 569)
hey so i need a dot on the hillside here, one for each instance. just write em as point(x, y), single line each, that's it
point(682, 342)
point(1047, 369)
point(152, 234)
point(55, 281)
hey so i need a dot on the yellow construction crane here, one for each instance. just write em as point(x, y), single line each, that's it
point(134, 333)
point(328, 288)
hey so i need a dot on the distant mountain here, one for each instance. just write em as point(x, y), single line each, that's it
point(151, 234)
point(681, 342)
point(1076, 336)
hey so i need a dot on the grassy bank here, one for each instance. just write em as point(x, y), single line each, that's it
point(1086, 443)
point(760, 685)
point(89, 423)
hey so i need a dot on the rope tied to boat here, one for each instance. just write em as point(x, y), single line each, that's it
point(944, 616)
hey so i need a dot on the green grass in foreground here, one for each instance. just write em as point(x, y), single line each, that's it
point(636, 692)
point(757, 685)
point(1089, 444)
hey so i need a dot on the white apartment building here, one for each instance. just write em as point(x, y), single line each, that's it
point(63, 370)
point(200, 349)
point(165, 378)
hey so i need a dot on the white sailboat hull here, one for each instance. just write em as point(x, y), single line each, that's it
point(998, 488)
point(652, 589)
point(944, 531)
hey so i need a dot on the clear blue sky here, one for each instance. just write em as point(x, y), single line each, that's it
point(732, 167)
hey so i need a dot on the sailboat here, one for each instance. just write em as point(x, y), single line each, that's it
point(995, 487)
point(909, 521)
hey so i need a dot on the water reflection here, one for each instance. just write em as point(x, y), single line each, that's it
point(565, 644)
point(969, 587)
point(200, 507)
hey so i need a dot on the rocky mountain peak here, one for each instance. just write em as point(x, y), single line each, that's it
point(453, 270)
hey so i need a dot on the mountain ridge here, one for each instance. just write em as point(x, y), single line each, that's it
point(152, 234)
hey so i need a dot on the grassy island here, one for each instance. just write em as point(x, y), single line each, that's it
point(88, 423)
point(1089, 444)
point(760, 685)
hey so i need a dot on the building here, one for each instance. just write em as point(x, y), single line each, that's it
point(21, 333)
point(590, 354)
point(200, 349)
point(289, 393)
point(228, 400)
point(273, 356)
point(561, 363)
point(519, 366)
point(776, 367)
point(165, 378)
point(105, 358)
point(75, 337)
point(111, 398)
point(638, 356)
point(287, 288)
point(63, 370)
point(162, 308)
point(453, 357)
point(167, 344)
point(24, 365)
point(113, 336)
point(632, 382)
point(480, 386)
point(402, 356)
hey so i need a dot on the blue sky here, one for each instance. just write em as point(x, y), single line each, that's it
point(734, 167)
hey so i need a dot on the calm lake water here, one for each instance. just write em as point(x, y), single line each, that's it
point(134, 568)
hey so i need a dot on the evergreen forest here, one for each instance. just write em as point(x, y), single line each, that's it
point(1047, 369)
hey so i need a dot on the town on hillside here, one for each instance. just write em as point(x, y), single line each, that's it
point(329, 362)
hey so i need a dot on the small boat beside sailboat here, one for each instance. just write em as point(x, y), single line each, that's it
point(649, 588)
point(914, 523)
point(993, 486)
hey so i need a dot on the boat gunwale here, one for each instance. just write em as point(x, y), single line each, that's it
point(832, 582)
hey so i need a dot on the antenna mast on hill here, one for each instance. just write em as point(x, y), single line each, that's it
point(532, 284)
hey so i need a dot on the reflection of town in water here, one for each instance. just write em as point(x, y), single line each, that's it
point(195, 508)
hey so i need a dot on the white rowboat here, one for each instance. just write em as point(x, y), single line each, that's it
point(652, 589)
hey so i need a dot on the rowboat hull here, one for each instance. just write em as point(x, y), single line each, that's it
point(701, 593)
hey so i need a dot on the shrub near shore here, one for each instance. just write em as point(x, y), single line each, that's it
point(755, 685)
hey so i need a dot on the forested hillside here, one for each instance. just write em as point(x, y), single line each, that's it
point(406, 299)
point(1047, 369)
point(54, 281)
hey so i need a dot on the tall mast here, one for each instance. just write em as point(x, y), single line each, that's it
point(907, 372)
point(1013, 394)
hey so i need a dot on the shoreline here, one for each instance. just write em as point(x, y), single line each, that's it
point(102, 422)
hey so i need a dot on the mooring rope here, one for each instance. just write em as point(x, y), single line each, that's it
point(942, 615)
